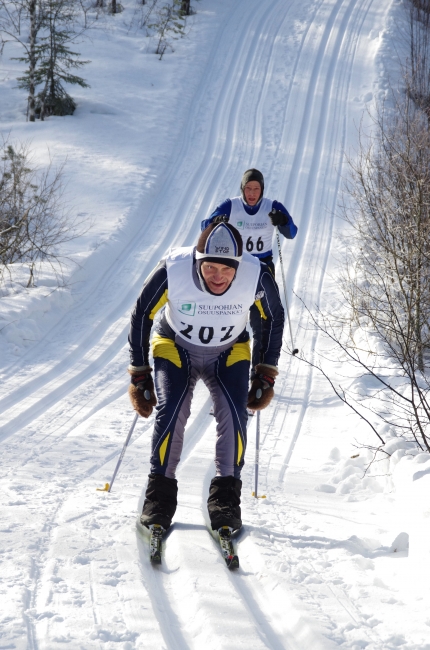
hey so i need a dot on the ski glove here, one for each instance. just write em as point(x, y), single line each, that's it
point(277, 217)
point(221, 218)
point(261, 393)
point(141, 390)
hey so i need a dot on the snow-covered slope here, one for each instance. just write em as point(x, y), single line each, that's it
point(151, 149)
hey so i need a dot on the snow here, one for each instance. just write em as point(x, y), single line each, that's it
point(337, 554)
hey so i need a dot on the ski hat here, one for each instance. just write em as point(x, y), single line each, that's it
point(220, 243)
point(252, 175)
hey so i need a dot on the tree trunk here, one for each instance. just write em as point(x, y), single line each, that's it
point(42, 102)
point(30, 282)
point(420, 266)
point(186, 7)
point(32, 62)
point(114, 6)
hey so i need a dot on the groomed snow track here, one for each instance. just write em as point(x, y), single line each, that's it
point(275, 94)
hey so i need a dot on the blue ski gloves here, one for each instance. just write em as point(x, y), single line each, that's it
point(263, 381)
point(277, 217)
point(141, 390)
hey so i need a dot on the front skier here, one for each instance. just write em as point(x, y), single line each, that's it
point(255, 216)
point(206, 293)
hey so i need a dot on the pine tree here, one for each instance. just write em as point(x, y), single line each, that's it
point(168, 24)
point(22, 20)
point(55, 61)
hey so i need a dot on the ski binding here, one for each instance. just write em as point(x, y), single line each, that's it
point(227, 550)
point(155, 549)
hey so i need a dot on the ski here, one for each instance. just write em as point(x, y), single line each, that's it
point(231, 558)
point(156, 532)
point(155, 539)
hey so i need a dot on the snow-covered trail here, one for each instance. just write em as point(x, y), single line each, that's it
point(276, 93)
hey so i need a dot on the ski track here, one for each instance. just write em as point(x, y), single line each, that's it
point(309, 206)
point(74, 394)
point(221, 131)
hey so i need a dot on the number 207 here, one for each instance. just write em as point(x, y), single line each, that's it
point(206, 334)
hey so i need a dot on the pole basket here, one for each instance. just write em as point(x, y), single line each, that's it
point(106, 488)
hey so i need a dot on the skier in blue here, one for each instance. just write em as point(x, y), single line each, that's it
point(204, 294)
point(255, 217)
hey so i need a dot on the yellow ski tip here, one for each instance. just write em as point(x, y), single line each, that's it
point(105, 489)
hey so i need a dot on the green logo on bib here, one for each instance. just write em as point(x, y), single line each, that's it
point(239, 224)
point(187, 308)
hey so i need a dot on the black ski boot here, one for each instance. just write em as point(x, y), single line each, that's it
point(224, 502)
point(161, 499)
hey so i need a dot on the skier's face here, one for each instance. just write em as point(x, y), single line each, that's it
point(252, 192)
point(218, 277)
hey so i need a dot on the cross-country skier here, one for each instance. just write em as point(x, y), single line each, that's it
point(206, 293)
point(255, 217)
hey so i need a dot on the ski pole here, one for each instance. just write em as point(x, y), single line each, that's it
point(257, 459)
point(295, 350)
point(108, 486)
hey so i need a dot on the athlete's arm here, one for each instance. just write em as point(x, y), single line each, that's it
point(289, 230)
point(153, 296)
point(223, 209)
point(270, 307)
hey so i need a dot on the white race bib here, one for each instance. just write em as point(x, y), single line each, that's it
point(200, 317)
point(256, 229)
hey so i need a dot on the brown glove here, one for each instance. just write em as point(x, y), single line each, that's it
point(261, 393)
point(141, 390)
